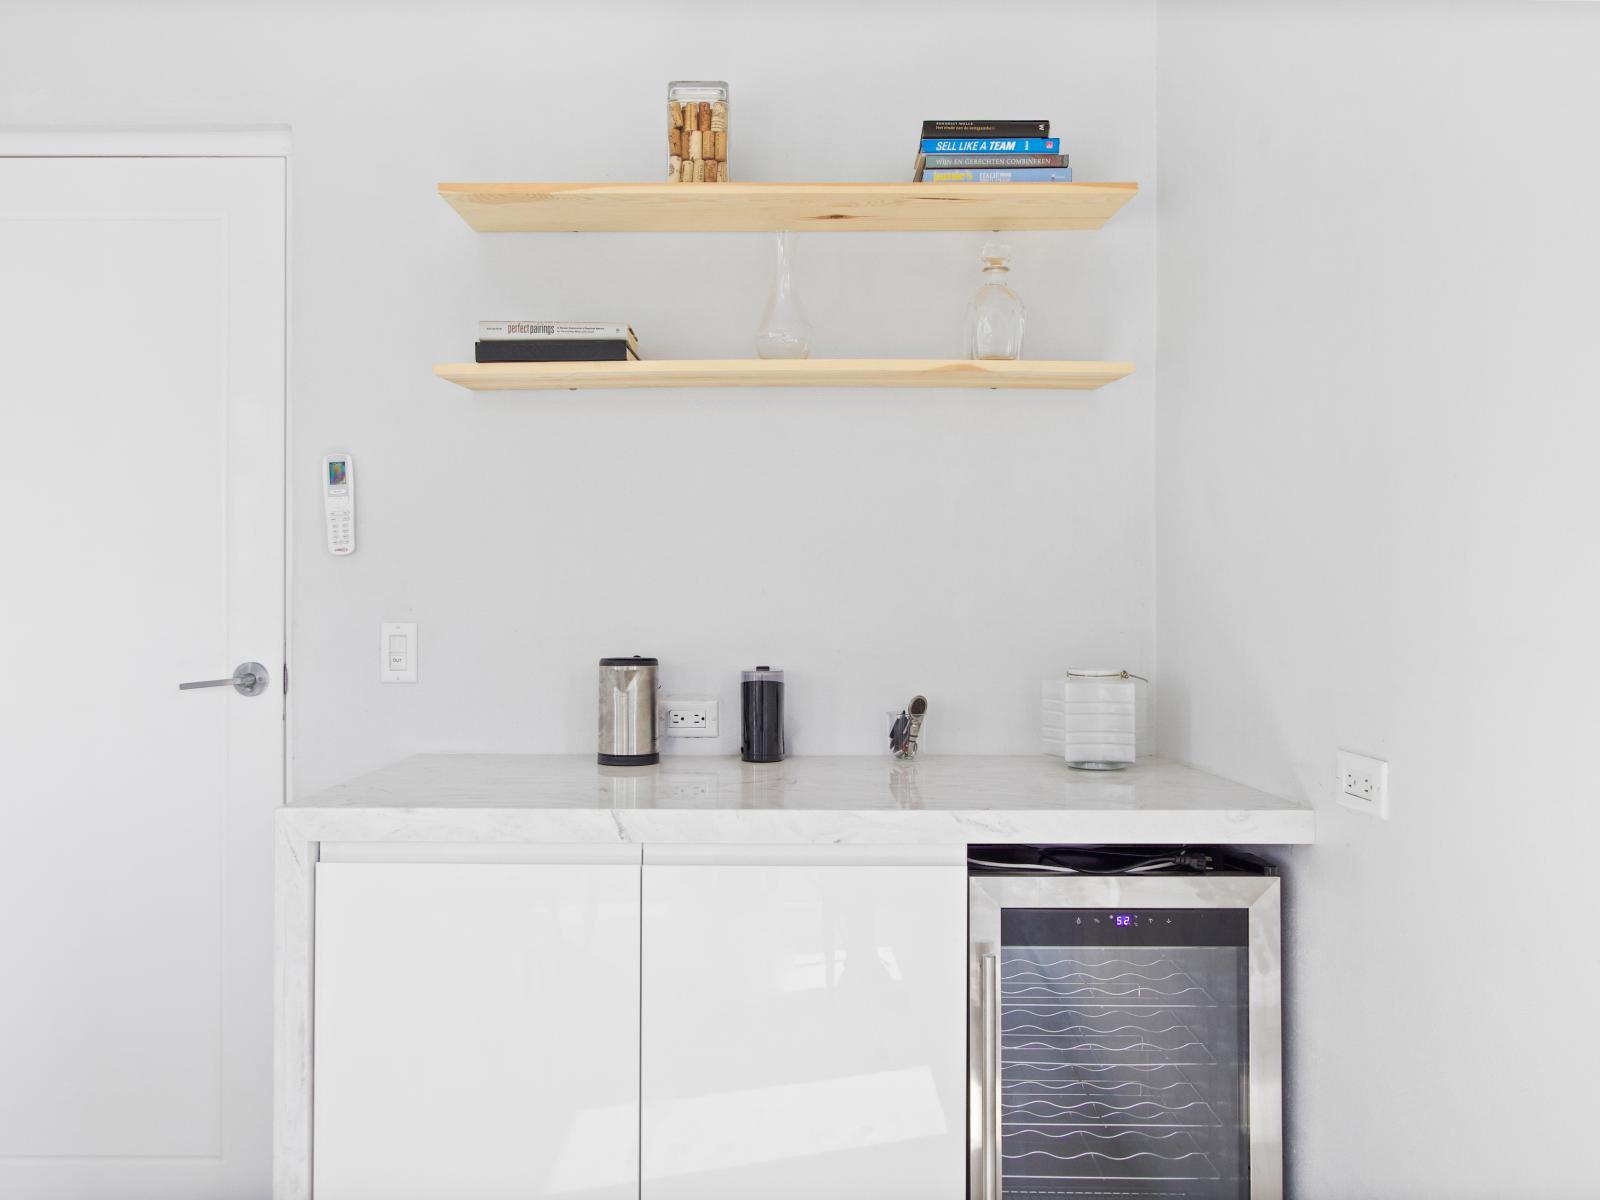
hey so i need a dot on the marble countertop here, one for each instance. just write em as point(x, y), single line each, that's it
point(822, 800)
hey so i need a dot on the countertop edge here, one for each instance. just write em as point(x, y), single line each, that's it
point(1285, 826)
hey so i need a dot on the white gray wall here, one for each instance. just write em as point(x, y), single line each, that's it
point(1376, 500)
point(873, 543)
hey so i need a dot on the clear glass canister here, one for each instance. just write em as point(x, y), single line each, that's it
point(996, 317)
point(697, 131)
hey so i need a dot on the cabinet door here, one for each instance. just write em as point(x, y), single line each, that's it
point(804, 1024)
point(477, 1030)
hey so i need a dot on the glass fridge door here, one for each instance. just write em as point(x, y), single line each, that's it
point(1115, 1047)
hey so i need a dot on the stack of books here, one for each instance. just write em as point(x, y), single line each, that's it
point(990, 152)
point(555, 341)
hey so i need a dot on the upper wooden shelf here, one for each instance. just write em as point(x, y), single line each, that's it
point(758, 207)
point(785, 372)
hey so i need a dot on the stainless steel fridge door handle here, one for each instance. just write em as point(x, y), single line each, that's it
point(989, 1021)
point(248, 679)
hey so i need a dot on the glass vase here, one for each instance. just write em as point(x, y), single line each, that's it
point(996, 316)
point(784, 332)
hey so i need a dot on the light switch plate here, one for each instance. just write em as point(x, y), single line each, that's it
point(1363, 784)
point(397, 652)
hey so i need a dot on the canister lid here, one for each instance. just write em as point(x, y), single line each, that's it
point(761, 674)
point(635, 661)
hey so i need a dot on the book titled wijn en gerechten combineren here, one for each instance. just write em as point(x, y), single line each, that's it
point(931, 161)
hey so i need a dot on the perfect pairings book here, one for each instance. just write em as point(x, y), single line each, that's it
point(555, 350)
point(500, 331)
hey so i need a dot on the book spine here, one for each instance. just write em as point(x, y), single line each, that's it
point(1002, 175)
point(971, 129)
point(554, 350)
point(496, 331)
point(1020, 145)
point(994, 160)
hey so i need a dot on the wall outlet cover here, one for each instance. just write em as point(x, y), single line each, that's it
point(1363, 784)
point(688, 718)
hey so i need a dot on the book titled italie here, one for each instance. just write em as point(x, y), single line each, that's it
point(1001, 175)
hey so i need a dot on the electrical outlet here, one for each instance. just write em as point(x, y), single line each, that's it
point(1364, 784)
point(689, 718)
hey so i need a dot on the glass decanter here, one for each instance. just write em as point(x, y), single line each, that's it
point(784, 332)
point(996, 316)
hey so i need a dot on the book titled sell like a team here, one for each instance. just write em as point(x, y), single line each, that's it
point(992, 145)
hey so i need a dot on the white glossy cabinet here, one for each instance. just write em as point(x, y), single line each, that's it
point(477, 1029)
point(804, 1024)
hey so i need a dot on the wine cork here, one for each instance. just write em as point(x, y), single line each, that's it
point(697, 140)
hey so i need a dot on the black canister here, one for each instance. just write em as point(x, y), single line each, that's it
point(761, 705)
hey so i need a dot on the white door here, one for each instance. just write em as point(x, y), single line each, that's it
point(141, 503)
point(804, 1024)
point(477, 1029)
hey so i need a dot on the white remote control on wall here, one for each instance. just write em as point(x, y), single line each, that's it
point(339, 502)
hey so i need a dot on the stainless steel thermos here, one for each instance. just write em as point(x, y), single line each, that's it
point(761, 709)
point(628, 712)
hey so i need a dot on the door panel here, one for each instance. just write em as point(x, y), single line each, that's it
point(477, 1031)
point(141, 482)
point(804, 1031)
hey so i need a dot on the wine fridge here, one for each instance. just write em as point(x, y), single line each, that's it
point(1125, 1032)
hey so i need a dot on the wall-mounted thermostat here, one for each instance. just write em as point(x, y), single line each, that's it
point(339, 502)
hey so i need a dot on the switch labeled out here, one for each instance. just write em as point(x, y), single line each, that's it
point(397, 650)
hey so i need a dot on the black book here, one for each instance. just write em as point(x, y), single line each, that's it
point(556, 350)
point(985, 129)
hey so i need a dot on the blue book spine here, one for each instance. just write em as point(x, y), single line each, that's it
point(1002, 175)
point(991, 145)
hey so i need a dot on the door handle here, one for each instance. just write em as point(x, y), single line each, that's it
point(989, 1071)
point(248, 679)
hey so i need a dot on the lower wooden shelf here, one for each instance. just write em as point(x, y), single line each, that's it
point(793, 372)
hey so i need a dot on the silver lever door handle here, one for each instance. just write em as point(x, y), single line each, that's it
point(248, 679)
point(989, 1068)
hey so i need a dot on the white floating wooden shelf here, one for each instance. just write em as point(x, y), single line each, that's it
point(758, 207)
point(790, 372)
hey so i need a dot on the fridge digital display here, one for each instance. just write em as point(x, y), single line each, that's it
point(1124, 1047)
